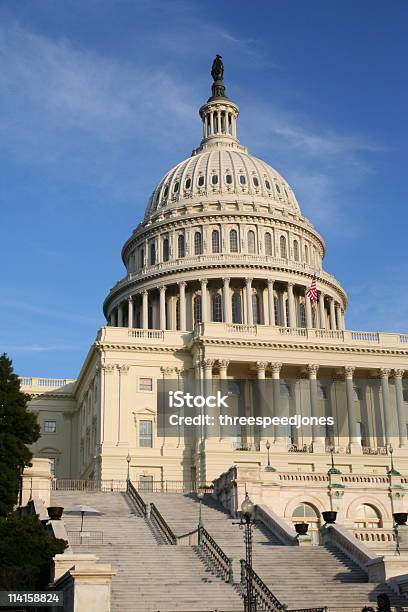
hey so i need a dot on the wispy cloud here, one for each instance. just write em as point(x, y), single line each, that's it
point(49, 312)
point(38, 348)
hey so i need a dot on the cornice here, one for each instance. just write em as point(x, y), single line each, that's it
point(145, 348)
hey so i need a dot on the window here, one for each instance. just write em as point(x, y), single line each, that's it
point(268, 244)
point(306, 254)
point(217, 308)
point(166, 191)
point(277, 188)
point(233, 241)
point(304, 511)
point(187, 183)
point(284, 390)
point(267, 185)
point(357, 394)
point(405, 395)
point(197, 309)
point(242, 179)
point(50, 426)
point(236, 307)
point(145, 384)
point(214, 179)
point(152, 253)
point(141, 258)
point(251, 241)
point(255, 181)
point(215, 241)
point(283, 249)
point(367, 517)
point(181, 246)
point(176, 187)
point(301, 315)
point(177, 314)
point(146, 434)
point(198, 243)
point(255, 309)
point(145, 483)
point(296, 250)
point(322, 392)
point(276, 310)
point(200, 181)
point(166, 251)
point(228, 179)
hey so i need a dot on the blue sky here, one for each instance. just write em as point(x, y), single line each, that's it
point(99, 98)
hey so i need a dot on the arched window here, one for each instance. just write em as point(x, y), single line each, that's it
point(277, 188)
point(255, 309)
point(198, 243)
point(305, 513)
point(152, 253)
point(181, 246)
point(233, 241)
point(228, 179)
point(217, 308)
point(215, 241)
point(166, 250)
point(200, 181)
point(306, 253)
point(197, 309)
point(141, 258)
point(268, 244)
point(283, 249)
point(251, 241)
point(367, 517)
point(255, 181)
point(296, 250)
point(177, 314)
point(187, 183)
point(242, 179)
point(214, 179)
point(301, 315)
point(236, 307)
point(176, 187)
point(267, 185)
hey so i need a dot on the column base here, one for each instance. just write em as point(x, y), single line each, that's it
point(355, 448)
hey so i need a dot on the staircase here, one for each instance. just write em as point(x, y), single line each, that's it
point(300, 577)
point(149, 577)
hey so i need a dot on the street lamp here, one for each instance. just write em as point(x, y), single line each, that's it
point(200, 495)
point(128, 459)
point(247, 510)
point(269, 468)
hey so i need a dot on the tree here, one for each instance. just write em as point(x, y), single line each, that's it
point(26, 551)
point(18, 427)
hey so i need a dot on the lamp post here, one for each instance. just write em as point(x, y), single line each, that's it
point(128, 459)
point(269, 468)
point(247, 509)
point(200, 495)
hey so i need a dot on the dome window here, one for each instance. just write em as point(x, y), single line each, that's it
point(166, 192)
point(214, 179)
point(267, 185)
point(198, 243)
point(166, 249)
point(215, 241)
point(277, 188)
point(268, 244)
point(251, 241)
point(176, 187)
point(283, 249)
point(236, 307)
point(197, 309)
point(296, 250)
point(242, 179)
point(188, 183)
point(181, 246)
point(255, 181)
point(228, 179)
point(200, 181)
point(233, 241)
point(216, 308)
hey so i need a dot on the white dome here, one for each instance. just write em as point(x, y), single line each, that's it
point(221, 173)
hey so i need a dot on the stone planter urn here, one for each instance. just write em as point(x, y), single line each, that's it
point(400, 517)
point(329, 516)
point(301, 528)
point(55, 512)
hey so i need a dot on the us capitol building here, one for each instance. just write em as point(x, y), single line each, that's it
point(215, 290)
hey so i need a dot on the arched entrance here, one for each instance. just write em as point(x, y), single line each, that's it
point(306, 513)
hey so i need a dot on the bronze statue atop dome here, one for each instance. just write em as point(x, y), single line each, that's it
point(217, 73)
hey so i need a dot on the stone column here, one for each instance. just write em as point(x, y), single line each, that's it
point(402, 419)
point(271, 303)
point(354, 441)
point(162, 307)
point(182, 304)
point(130, 311)
point(343, 322)
point(322, 311)
point(226, 299)
point(120, 315)
point(212, 123)
point(112, 319)
point(282, 304)
point(308, 312)
point(318, 437)
point(279, 434)
point(223, 367)
point(291, 300)
point(211, 430)
point(249, 317)
point(332, 315)
point(385, 392)
point(204, 300)
point(338, 316)
point(145, 309)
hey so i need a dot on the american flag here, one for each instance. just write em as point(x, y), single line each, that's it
point(312, 291)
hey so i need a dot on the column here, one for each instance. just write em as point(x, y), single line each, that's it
point(130, 311)
point(276, 409)
point(308, 312)
point(332, 315)
point(209, 431)
point(318, 437)
point(223, 367)
point(249, 317)
point(145, 309)
point(343, 322)
point(182, 304)
point(352, 423)
point(385, 392)
point(112, 319)
point(322, 311)
point(271, 303)
point(204, 300)
point(212, 122)
point(402, 419)
point(281, 297)
point(219, 122)
point(291, 301)
point(120, 315)
point(162, 307)
point(226, 299)
point(338, 316)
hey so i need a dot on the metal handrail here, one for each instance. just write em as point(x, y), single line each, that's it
point(137, 499)
point(218, 556)
point(263, 592)
point(162, 525)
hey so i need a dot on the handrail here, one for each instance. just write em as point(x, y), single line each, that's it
point(218, 556)
point(162, 525)
point(263, 593)
point(139, 503)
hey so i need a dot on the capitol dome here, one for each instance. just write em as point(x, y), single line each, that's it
point(223, 240)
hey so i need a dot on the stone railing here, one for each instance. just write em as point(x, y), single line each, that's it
point(343, 540)
point(45, 383)
point(284, 532)
point(291, 477)
point(375, 537)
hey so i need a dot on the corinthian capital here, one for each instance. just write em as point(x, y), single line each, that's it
point(398, 373)
point(262, 365)
point(313, 369)
point(349, 371)
point(276, 367)
point(207, 363)
point(385, 372)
